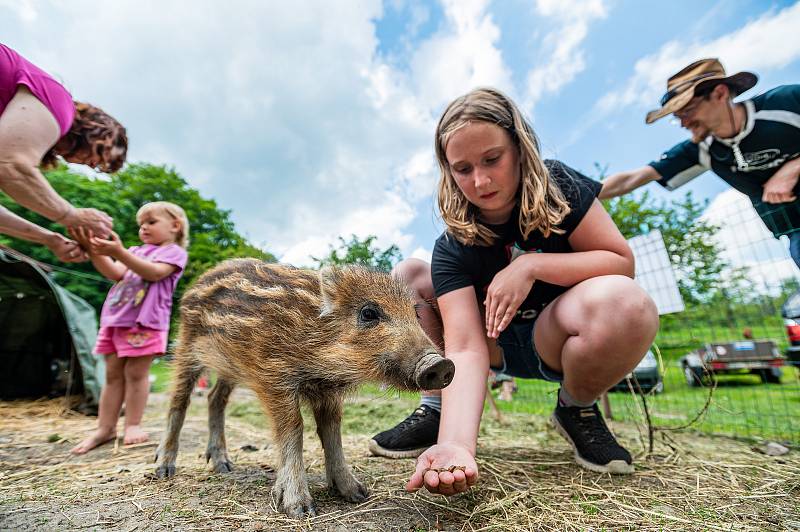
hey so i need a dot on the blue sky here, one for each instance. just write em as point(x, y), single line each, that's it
point(313, 121)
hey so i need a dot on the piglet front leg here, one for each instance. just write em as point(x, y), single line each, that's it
point(328, 415)
point(291, 484)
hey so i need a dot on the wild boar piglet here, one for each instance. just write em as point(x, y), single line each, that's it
point(293, 335)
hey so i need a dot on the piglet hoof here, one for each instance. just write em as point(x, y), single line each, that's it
point(165, 471)
point(301, 510)
point(219, 461)
point(352, 490)
point(223, 467)
point(294, 505)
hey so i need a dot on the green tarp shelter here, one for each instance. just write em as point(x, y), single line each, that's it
point(46, 337)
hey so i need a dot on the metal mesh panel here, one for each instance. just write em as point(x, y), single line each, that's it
point(760, 399)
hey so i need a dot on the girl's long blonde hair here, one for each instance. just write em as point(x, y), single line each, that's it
point(542, 204)
point(173, 211)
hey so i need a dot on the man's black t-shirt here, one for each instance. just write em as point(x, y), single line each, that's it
point(455, 265)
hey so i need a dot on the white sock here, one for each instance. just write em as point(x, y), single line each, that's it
point(433, 401)
point(565, 399)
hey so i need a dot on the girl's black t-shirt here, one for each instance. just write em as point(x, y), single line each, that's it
point(455, 265)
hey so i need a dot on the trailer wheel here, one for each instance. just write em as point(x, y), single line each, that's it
point(770, 376)
point(694, 377)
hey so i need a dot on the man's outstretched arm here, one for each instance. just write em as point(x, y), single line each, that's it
point(624, 182)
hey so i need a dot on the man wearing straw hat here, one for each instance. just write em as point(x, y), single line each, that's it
point(754, 145)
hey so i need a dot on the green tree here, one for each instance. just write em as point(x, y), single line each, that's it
point(361, 252)
point(212, 234)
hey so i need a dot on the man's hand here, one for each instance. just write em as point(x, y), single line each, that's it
point(65, 249)
point(112, 246)
point(93, 220)
point(780, 187)
point(446, 469)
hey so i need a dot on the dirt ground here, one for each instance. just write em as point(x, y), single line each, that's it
point(528, 479)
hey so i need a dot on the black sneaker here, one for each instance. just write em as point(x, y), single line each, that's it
point(410, 437)
point(595, 447)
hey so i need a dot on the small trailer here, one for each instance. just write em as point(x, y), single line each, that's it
point(760, 357)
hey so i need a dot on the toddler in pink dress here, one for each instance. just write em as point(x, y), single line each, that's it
point(134, 322)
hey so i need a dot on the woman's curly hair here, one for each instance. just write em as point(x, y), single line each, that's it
point(542, 205)
point(93, 131)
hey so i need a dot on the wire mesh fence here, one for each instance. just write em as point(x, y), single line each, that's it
point(723, 365)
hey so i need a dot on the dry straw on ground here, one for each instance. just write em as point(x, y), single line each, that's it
point(528, 482)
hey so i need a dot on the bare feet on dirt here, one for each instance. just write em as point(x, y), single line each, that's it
point(98, 437)
point(135, 434)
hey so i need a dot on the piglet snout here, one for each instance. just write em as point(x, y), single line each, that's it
point(434, 372)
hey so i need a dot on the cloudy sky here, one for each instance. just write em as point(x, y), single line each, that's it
point(312, 120)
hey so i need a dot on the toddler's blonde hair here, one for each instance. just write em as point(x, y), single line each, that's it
point(173, 211)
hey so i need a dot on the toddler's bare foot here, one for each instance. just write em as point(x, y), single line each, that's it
point(98, 437)
point(135, 434)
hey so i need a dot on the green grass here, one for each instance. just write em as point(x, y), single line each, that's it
point(162, 372)
point(741, 405)
point(250, 412)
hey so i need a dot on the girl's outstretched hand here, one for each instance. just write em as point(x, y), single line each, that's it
point(505, 294)
point(82, 236)
point(446, 469)
point(111, 246)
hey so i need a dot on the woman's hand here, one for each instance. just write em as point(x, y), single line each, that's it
point(507, 291)
point(446, 469)
point(112, 246)
point(65, 249)
point(93, 220)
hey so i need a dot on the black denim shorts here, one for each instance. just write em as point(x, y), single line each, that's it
point(520, 358)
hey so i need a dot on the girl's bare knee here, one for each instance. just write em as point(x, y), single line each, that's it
point(616, 298)
point(417, 275)
point(136, 370)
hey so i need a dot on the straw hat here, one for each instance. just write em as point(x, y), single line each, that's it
point(681, 87)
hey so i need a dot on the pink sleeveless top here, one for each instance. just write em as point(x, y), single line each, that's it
point(15, 70)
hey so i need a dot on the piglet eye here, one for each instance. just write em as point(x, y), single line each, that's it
point(369, 315)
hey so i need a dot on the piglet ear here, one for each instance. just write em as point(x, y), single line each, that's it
point(329, 278)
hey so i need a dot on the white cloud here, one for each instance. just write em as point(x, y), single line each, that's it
point(461, 57)
point(383, 219)
point(271, 111)
point(288, 116)
point(770, 41)
point(24, 9)
point(745, 242)
point(422, 254)
point(564, 55)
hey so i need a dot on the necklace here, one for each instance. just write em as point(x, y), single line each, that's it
point(741, 164)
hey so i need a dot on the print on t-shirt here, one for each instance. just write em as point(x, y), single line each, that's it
point(135, 301)
point(131, 289)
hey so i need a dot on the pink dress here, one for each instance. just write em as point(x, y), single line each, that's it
point(135, 317)
point(15, 70)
